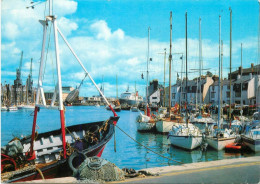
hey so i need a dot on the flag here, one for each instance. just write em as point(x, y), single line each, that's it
point(209, 81)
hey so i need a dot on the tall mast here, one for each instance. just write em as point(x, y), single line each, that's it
point(170, 61)
point(221, 81)
point(147, 71)
point(116, 88)
point(186, 45)
point(135, 91)
point(230, 96)
point(241, 103)
point(200, 57)
point(219, 91)
point(258, 96)
point(164, 104)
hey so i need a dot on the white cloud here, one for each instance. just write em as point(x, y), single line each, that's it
point(101, 30)
point(64, 7)
point(67, 26)
point(103, 51)
point(10, 30)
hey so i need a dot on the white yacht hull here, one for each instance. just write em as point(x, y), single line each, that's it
point(253, 144)
point(164, 126)
point(219, 143)
point(145, 126)
point(186, 142)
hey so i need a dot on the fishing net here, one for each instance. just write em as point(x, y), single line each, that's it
point(95, 168)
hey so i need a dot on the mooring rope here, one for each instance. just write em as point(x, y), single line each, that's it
point(147, 147)
point(40, 172)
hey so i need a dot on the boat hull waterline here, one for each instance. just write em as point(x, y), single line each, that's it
point(52, 168)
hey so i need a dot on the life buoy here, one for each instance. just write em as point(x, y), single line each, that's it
point(81, 157)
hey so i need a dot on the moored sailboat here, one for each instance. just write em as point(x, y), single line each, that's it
point(144, 122)
point(219, 138)
point(186, 136)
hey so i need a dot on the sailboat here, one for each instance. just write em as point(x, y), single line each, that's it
point(251, 137)
point(144, 122)
point(51, 154)
point(201, 120)
point(186, 136)
point(219, 138)
point(164, 125)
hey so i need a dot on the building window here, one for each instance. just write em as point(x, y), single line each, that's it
point(228, 94)
point(173, 95)
point(213, 95)
point(237, 94)
point(154, 97)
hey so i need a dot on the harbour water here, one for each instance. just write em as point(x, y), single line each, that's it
point(128, 153)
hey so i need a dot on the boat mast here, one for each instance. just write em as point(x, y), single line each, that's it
point(186, 45)
point(219, 64)
point(147, 71)
point(241, 73)
point(164, 104)
point(116, 88)
point(258, 96)
point(135, 92)
point(170, 62)
point(221, 81)
point(200, 57)
point(230, 93)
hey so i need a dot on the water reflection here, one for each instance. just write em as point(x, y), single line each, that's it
point(128, 153)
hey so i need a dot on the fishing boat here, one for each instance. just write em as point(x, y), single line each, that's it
point(52, 154)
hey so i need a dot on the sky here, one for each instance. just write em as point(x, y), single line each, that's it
point(111, 39)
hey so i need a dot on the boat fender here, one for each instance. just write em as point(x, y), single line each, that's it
point(77, 158)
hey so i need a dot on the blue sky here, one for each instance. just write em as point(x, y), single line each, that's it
point(110, 37)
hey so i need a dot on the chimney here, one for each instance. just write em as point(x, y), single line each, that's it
point(252, 68)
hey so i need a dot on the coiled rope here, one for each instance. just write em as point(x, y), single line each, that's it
point(147, 147)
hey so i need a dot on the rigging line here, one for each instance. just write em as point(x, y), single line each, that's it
point(44, 10)
point(47, 51)
point(147, 147)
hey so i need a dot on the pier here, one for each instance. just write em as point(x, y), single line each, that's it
point(238, 170)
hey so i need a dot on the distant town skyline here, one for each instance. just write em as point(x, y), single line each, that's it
point(110, 37)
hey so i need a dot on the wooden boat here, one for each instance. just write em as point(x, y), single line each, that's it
point(85, 138)
point(49, 154)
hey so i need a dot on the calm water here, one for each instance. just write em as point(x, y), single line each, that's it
point(128, 153)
